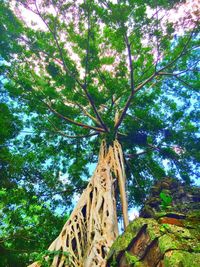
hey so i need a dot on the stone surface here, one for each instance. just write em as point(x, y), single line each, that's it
point(164, 238)
point(184, 197)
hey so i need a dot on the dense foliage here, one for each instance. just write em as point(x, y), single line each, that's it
point(82, 72)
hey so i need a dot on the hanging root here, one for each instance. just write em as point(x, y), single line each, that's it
point(118, 167)
point(92, 226)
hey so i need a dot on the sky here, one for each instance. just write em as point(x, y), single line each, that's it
point(176, 15)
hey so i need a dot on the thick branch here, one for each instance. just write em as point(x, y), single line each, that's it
point(128, 45)
point(83, 86)
point(72, 121)
point(87, 114)
point(87, 50)
point(71, 136)
point(130, 99)
point(103, 79)
point(146, 81)
point(94, 108)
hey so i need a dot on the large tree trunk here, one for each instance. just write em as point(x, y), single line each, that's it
point(92, 226)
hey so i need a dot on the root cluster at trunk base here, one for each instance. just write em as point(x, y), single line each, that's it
point(92, 227)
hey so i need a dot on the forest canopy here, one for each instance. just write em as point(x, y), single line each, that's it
point(81, 72)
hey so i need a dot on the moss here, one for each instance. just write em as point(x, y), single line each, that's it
point(160, 214)
point(193, 215)
point(123, 241)
point(179, 231)
point(139, 264)
point(181, 259)
point(131, 259)
point(179, 244)
point(153, 229)
point(192, 223)
point(167, 242)
point(176, 237)
point(113, 263)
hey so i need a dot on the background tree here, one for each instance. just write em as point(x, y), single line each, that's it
point(23, 206)
point(100, 70)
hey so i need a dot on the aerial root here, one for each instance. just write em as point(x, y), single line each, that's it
point(92, 227)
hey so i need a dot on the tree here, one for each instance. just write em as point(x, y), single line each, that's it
point(23, 208)
point(107, 74)
point(21, 211)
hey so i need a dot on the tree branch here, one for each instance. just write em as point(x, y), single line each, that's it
point(178, 78)
point(130, 99)
point(180, 54)
point(131, 156)
point(83, 86)
point(50, 56)
point(70, 136)
point(95, 110)
point(88, 114)
point(103, 79)
point(128, 45)
point(187, 84)
point(59, 48)
point(72, 121)
point(87, 49)
point(146, 81)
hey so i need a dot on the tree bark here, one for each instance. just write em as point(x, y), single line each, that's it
point(92, 227)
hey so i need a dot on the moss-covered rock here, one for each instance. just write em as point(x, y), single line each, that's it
point(180, 258)
point(148, 241)
point(167, 239)
point(124, 240)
